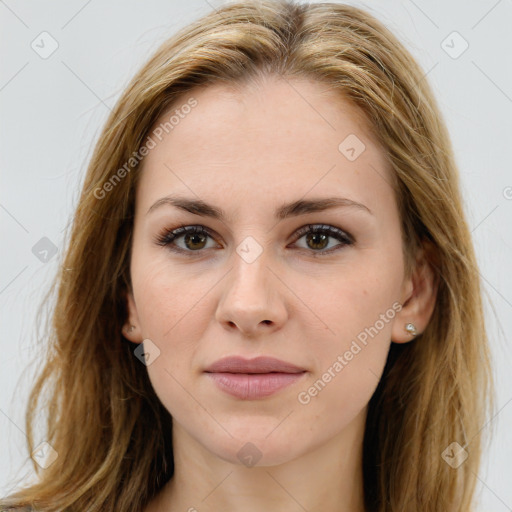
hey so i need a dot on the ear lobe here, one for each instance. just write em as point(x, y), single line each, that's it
point(131, 328)
point(420, 300)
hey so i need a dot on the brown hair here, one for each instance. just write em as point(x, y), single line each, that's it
point(111, 432)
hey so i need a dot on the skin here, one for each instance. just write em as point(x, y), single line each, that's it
point(248, 151)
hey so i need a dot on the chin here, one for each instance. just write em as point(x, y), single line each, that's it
point(256, 447)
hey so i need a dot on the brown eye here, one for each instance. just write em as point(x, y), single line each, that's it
point(194, 239)
point(318, 238)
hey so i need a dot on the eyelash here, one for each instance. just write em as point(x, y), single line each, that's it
point(167, 237)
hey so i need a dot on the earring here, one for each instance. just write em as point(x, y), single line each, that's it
point(411, 329)
point(130, 329)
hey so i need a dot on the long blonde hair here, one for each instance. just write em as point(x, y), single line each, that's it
point(110, 431)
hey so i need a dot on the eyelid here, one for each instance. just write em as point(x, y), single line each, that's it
point(167, 236)
point(344, 238)
point(332, 231)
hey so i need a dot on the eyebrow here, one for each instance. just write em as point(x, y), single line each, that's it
point(299, 207)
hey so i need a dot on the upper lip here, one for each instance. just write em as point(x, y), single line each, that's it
point(262, 364)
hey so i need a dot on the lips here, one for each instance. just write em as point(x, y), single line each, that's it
point(252, 379)
point(261, 364)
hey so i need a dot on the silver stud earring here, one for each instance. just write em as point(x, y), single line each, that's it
point(130, 329)
point(411, 329)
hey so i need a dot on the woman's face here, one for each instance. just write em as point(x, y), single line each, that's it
point(254, 282)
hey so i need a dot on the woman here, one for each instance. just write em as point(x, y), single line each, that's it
point(270, 299)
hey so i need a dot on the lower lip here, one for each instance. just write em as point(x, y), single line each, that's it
point(249, 386)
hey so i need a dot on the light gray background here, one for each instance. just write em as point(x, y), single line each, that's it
point(52, 110)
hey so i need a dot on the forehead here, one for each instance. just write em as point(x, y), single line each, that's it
point(273, 137)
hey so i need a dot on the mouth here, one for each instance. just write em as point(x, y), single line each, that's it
point(251, 379)
point(262, 364)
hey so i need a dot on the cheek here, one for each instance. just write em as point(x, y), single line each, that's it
point(357, 307)
point(351, 355)
point(355, 297)
point(166, 296)
point(164, 308)
point(172, 315)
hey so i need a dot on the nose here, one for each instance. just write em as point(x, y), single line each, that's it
point(252, 299)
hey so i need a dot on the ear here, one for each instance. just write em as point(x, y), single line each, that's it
point(419, 294)
point(131, 329)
